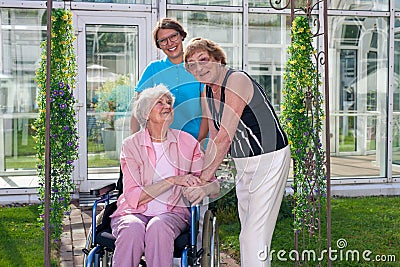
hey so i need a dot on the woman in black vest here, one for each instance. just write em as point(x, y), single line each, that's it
point(243, 121)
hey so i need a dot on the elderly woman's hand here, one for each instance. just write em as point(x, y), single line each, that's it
point(187, 180)
point(195, 194)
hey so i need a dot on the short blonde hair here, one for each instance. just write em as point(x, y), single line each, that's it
point(146, 100)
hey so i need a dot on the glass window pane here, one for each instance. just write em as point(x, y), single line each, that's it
point(21, 34)
point(358, 83)
point(371, 5)
point(396, 101)
point(347, 132)
point(268, 41)
point(111, 59)
point(280, 4)
point(147, 2)
point(223, 28)
point(371, 133)
point(207, 2)
point(350, 34)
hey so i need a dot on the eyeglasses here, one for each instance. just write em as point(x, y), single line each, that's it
point(172, 38)
point(192, 66)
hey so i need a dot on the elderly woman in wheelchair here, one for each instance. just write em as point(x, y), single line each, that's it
point(158, 163)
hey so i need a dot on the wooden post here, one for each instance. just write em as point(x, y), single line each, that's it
point(47, 198)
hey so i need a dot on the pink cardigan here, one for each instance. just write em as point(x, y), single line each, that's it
point(138, 166)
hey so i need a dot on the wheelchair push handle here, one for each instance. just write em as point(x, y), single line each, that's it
point(100, 192)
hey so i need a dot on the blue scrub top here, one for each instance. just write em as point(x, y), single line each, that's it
point(183, 86)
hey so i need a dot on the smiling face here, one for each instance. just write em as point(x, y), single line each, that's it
point(162, 112)
point(204, 67)
point(170, 42)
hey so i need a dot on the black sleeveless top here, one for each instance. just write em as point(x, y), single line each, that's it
point(259, 131)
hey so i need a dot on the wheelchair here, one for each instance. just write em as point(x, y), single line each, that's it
point(100, 243)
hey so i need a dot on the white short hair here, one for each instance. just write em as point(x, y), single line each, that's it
point(146, 100)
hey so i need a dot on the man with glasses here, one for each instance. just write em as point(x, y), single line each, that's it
point(168, 36)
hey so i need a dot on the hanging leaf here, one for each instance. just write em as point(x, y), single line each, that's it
point(302, 118)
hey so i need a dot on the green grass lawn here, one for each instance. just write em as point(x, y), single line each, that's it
point(21, 162)
point(21, 237)
point(26, 158)
point(371, 223)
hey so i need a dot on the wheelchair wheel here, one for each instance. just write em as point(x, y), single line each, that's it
point(210, 241)
point(103, 257)
point(87, 246)
point(106, 260)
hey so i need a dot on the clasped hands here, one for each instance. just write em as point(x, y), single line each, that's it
point(194, 189)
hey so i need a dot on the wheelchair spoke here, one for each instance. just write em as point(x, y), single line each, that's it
point(210, 241)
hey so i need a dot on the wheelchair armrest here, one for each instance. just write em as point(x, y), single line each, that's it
point(103, 191)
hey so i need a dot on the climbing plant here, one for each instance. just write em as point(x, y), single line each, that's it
point(63, 128)
point(302, 117)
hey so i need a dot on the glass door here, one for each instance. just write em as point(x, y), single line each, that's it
point(108, 74)
point(111, 60)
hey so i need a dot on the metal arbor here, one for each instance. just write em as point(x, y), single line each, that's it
point(316, 15)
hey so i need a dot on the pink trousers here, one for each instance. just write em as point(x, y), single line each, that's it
point(137, 234)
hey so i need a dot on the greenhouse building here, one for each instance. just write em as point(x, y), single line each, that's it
point(114, 44)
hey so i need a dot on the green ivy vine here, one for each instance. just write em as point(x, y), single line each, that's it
point(302, 118)
point(63, 129)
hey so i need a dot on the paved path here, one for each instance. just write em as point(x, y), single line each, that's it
point(76, 227)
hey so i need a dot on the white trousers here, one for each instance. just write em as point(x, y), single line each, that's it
point(260, 187)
